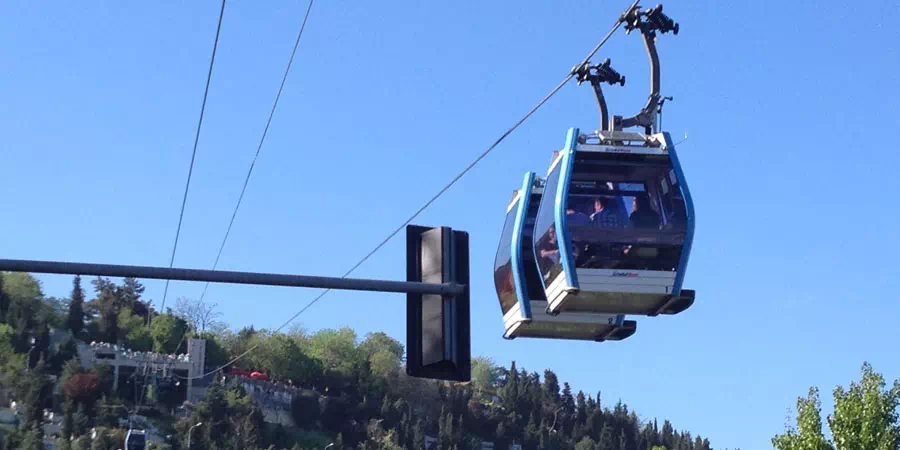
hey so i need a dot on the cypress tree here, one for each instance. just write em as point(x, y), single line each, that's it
point(551, 387)
point(75, 319)
point(68, 425)
point(4, 301)
point(418, 435)
point(80, 420)
point(580, 409)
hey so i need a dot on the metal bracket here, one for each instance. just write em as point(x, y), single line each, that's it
point(601, 73)
point(648, 22)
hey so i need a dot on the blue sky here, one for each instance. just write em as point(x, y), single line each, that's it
point(790, 111)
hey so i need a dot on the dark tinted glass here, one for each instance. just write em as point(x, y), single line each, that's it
point(530, 268)
point(503, 277)
point(635, 217)
point(546, 248)
point(136, 442)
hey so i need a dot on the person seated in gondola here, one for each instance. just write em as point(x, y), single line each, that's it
point(677, 217)
point(604, 214)
point(548, 248)
point(642, 214)
point(575, 217)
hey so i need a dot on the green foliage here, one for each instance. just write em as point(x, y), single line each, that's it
point(305, 409)
point(66, 351)
point(229, 418)
point(68, 424)
point(586, 444)
point(865, 418)
point(21, 285)
point(865, 415)
point(80, 421)
point(167, 331)
point(4, 300)
point(336, 350)
point(32, 438)
point(808, 433)
point(216, 354)
point(284, 359)
point(103, 441)
point(137, 336)
point(11, 363)
point(75, 316)
point(32, 390)
point(486, 375)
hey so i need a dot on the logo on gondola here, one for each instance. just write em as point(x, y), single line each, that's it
point(625, 274)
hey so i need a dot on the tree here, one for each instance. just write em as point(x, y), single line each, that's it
point(485, 374)
point(108, 304)
point(11, 363)
point(336, 349)
point(551, 387)
point(80, 421)
point(4, 300)
point(33, 438)
point(84, 388)
point(167, 331)
point(199, 315)
point(865, 415)
point(68, 425)
point(808, 434)
point(138, 336)
point(21, 285)
point(586, 444)
point(380, 342)
point(75, 318)
point(216, 355)
point(66, 351)
point(32, 389)
point(865, 418)
point(130, 295)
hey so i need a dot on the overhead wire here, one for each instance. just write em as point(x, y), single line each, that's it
point(262, 140)
point(187, 184)
point(446, 187)
point(212, 61)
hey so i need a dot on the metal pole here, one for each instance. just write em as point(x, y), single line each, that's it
point(191, 430)
point(221, 276)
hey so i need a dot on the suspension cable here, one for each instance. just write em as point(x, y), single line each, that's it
point(187, 185)
point(453, 181)
point(259, 147)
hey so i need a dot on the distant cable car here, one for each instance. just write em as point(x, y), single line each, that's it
point(616, 220)
point(519, 287)
point(136, 440)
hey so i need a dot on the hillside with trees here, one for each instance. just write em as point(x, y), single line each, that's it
point(350, 390)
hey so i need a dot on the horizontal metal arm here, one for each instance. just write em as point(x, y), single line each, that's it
point(221, 276)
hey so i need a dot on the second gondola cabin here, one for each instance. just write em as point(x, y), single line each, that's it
point(519, 287)
point(615, 225)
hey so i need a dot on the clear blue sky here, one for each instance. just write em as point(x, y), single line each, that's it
point(791, 112)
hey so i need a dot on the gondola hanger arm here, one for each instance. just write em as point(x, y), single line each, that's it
point(648, 22)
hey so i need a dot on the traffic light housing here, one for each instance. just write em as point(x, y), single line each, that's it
point(438, 337)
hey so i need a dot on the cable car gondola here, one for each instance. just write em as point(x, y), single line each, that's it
point(631, 254)
point(519, 288)
point(136, 440)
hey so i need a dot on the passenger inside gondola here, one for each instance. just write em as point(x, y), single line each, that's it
point(604, 214)
point(576, 218)
point(548, 248)
point(642, 214)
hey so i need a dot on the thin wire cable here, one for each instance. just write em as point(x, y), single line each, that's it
point(261, 141)
point(187, 185)
point(430, 201)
